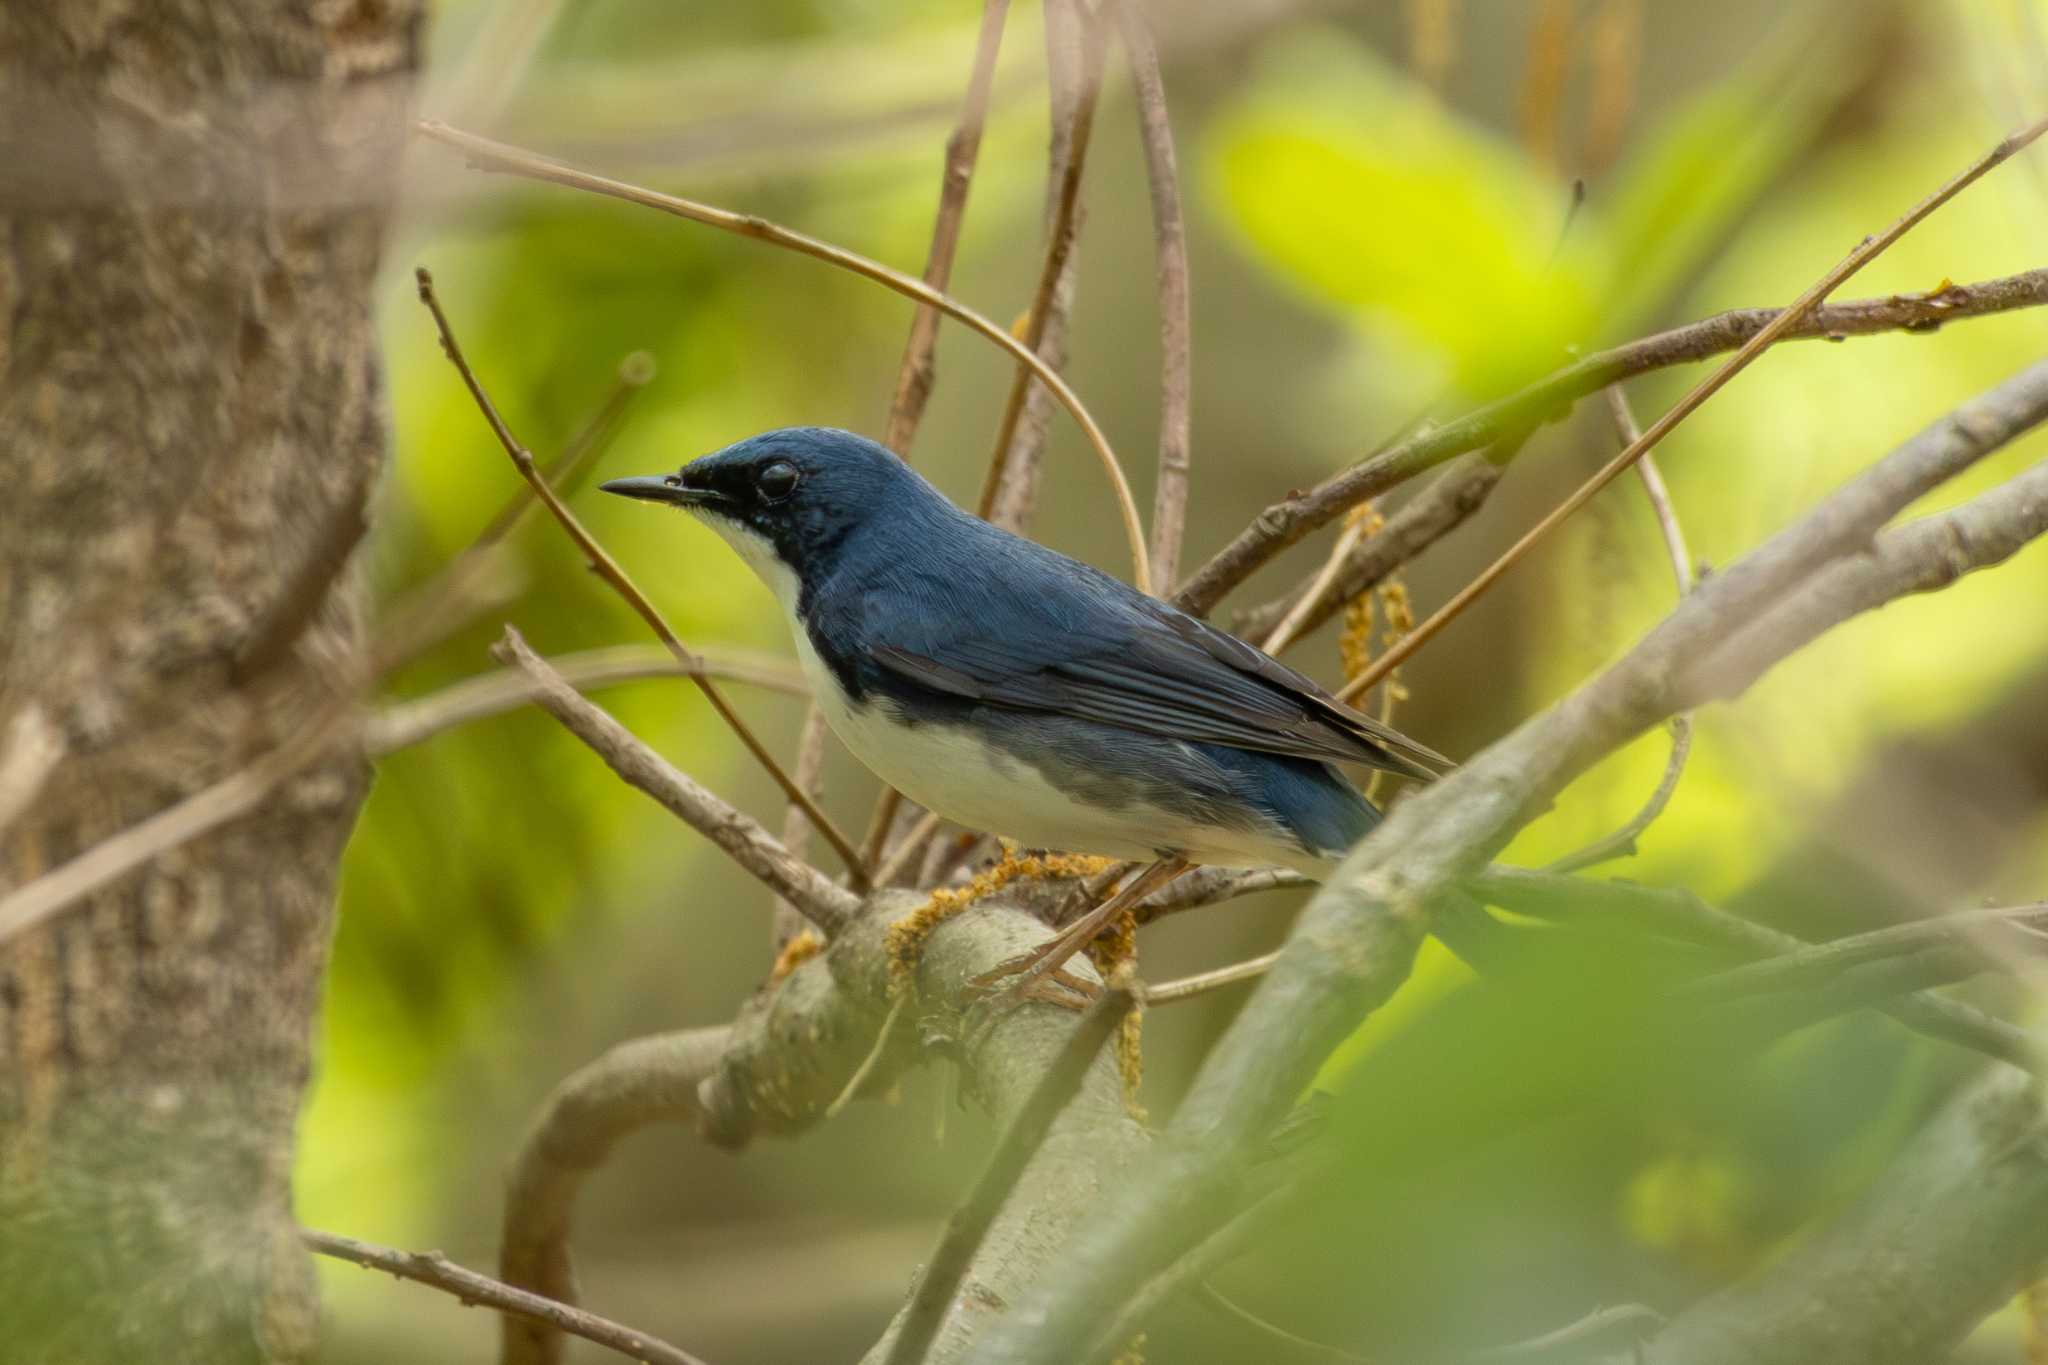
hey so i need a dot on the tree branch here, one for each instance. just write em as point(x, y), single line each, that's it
point(1289, 520)
point(1170, 238)
point(437, 1271)
point(643, 1082)
point(824, 904)
point(1353, 945)
point(916, 375)
point(1074, 58)
point(1953, 1229)
point(968, 1227)
point(1921, 556)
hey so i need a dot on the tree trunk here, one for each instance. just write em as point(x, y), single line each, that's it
point(192, 194)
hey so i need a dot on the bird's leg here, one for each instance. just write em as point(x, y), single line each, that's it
point(1026, 970)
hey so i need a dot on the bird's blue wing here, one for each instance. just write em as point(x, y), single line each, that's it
point(1059, 637)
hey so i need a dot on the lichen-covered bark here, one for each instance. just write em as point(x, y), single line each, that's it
point(192, 195)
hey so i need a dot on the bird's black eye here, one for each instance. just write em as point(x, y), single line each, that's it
point(776, 481)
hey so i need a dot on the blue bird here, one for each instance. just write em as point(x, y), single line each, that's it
point(1019, 692)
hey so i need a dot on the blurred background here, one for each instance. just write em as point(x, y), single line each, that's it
point(1377, 196)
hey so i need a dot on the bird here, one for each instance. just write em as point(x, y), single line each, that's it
point(1019, 692)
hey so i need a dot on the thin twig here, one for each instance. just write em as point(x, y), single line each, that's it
point(969, 1223)
point(880, 824)
point(1061, 233)
point(1213, 885)
point(634, 1085)
point(1868, 251)
point(1821, 962)
point(826, 905)
point(867, 1063)
point(1202, 983)
point(1622, 842)
point(608, 569)
point(915, 376)
point(1445, 504)
point(404, 723)
point(1170, 247)
point(1545, 895)
point(1641, 1320)
point(1289, 520)
point(1294, 1341)
point(465, 585)
point(436, 1271)
point(919, 370)
point(497, 156)
point(787, 921)
point(1317, 592)
point(913, 841)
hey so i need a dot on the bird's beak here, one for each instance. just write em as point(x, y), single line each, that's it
point(660, 488)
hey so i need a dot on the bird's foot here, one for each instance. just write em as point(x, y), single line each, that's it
point(1027, 971)
point(1021, 978)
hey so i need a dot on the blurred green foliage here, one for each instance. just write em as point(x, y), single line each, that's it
point(1364, 246)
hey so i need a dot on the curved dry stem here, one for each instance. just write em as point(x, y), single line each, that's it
point(642, 1082)
point(1176, 331)
point(498, 156)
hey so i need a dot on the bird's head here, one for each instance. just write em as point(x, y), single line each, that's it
point(787, 500)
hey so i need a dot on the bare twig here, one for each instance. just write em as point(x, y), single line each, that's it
point(1940, 1240)
point(1211, 885)
point(467, 584)
point(403, 723)
point(915, 376)
point(436, 1271)
point(1685, 916)
point(1170, 238)
point(1202, 983)
point(825, 905)
point(787, 920)
point(608, 569)
point(1638, 1320)
point(497, 156)
point(867, 1063)
point(32, 751)
point(1070, 158)
point(1294, 1341)
point(1287, 521)
point(1442, 507)
point(1821, 962)
point(1870, 249)
point(1019, 1143)
point(643, 1082)
point(1622, 842)
point(1317, 592)
point(913, 841)
point(918, 372)
point(1920, 556)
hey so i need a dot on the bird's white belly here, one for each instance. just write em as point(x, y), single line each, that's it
point(973, 783)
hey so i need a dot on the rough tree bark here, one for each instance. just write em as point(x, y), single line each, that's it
point(192, 194)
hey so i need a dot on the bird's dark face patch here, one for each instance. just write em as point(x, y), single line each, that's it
point(802, 490)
